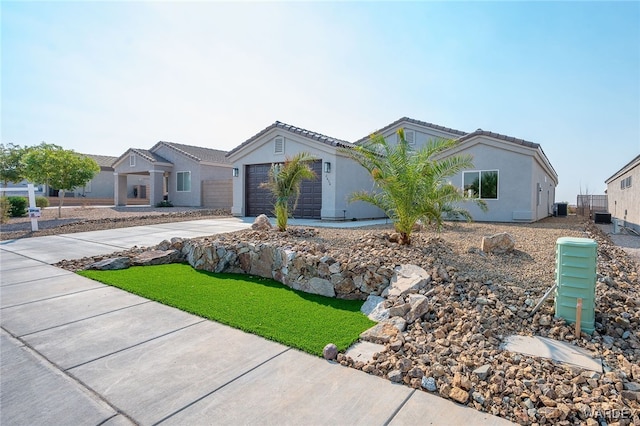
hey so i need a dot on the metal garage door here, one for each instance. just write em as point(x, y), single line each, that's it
point(259, 200)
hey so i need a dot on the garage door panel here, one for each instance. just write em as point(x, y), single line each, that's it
point(259, 200)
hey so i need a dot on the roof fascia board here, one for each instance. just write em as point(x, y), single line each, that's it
point(625, 169)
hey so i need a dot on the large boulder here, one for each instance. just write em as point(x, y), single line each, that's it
point(111, 264)
point(374, 308)
point(407, 279)
point(262, 223)
point(498, 243)
point(156, 257)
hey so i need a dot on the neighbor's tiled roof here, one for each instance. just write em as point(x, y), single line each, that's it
point(144, 153)
point(413, 121)
point(630, 165)
point(303, 132)
point(102, 160)
point(197, 153)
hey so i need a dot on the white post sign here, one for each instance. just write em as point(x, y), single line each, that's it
point(34, 212)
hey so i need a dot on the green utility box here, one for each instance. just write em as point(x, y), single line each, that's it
point(576, 278)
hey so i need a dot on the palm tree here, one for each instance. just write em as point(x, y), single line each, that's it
point(284, 182)
point(411, 184)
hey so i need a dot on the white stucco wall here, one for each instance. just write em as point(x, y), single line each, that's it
point(518, 176)
point(624, 204)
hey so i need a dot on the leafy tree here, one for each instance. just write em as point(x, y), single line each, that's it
point(58, 168)
point(411, 184)
point(284, 182)
point(11, 167)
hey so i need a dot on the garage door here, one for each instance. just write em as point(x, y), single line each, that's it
point(259, 200)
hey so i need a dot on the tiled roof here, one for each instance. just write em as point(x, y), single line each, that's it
point(630, 165)
point(506, 138)
point(413, 121)
point(481, 132)
point(197, 153)
point(150, 156)
point(103, 160)
point(144, 153)
point(303, 132)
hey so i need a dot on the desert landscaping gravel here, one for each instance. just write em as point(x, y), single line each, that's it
point(476, 300)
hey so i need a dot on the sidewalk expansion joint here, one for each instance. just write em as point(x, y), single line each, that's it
point(98, 287)
point(83, 387)
point(85, 318)
point(136, 345)
point(220, 387)
point(397, 410)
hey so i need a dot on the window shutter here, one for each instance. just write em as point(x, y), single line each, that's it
point(279, 145)
point(410, 136)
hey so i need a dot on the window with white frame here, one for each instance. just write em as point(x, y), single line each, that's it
point(625, 183)
point(132, 160)
point(184, 181)
point(87, 186)
point(278, 145)
point(480, 184)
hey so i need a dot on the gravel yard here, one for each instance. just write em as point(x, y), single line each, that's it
point(478, 299)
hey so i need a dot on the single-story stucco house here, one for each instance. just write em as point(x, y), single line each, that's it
point(184, 175)
point(325, 197)
point(623, 194)
point(513, 176)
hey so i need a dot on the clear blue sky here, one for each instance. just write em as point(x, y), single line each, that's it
point(100, 77)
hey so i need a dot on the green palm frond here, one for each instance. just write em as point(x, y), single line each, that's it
point(411, 184)
point(284, 182)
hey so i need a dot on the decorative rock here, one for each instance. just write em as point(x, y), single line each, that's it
point(156, 257)
point(382, 332)
point(429, 383)
point(419, 306)
point(483, 372)
point(550, 413)
point(477, 397)
point(330, 351)
point(632, 386)
point(498, 243)
point(262, 223)
point(459, 395)
point(373, 307)
point(316, 286)
point(406, 279)
point(111, 264)
point(395, 376)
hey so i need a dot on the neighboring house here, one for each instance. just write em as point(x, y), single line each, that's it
point(325, 197)
point(101, 186)
point(513, 176)
point(623, 193)
point(184, 175)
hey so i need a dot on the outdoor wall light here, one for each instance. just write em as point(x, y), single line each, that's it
point(235, 172)
point(327, 167)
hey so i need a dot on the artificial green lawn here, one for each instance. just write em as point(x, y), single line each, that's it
point(256, 305)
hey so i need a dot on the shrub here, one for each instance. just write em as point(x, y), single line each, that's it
point(17, 206)
point(42, 202)
point(164, 203)
point(5, 206)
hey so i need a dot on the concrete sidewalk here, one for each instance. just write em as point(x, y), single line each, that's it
point(74, 351)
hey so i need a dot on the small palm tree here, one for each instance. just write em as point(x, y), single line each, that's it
point(411, 184)
point(284, 182)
